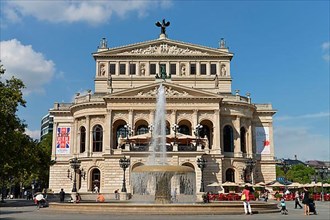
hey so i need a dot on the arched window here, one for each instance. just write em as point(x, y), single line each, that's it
point(243, 139)
point(230, 175)
point(228, 139)
point(96, 178)
point(82, 139)
point(97, 138)
point(142, 129)
point(184, 129)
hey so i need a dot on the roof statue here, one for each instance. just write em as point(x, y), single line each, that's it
point(163, 26)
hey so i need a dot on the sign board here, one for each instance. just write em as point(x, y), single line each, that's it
point(63, 140)
point(262, 140)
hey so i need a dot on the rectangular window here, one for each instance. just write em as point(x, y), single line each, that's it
point(112, 69)
point(213, 69)
point(193, 69)
point(173, 69)
point(132, 69)
point(152, 69)
point(203, 69)
point(122, 69)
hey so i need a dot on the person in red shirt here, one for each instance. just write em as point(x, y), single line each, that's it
point(100, 198)
point(246, 201)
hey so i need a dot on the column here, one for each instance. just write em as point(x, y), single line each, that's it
point(194, 119)
point(117, 68)
point(54, 140)
point(147, 68)
point(138, 68)
point(208, 68)
point(157, 68)
point(237, 137)
point(106, 133)
point(218, 68)
point(178, 68)
point(127, 69)
point(130, 119)
point(198, 68)
point(75, 131)
point(249, 140)
point(168, 68)
point(217, 133)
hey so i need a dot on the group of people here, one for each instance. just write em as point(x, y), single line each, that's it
point(308, 203)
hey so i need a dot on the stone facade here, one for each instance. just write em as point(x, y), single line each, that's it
point(197, 82)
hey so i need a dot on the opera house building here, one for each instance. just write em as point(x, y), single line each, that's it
point(104, 135)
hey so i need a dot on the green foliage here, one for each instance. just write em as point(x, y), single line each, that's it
point(297, 173)
point(22, 158)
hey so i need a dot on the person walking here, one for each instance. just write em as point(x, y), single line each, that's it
point(246, 200)
point(117, 194)
point(297, 200)
point(62, 195)
point(305, 201)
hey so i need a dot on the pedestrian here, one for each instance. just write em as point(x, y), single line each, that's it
point(246, 200)
point(297, 200)
point(78, 198)
point(284, 211)
point(62, 195)
point(100, 198)
point(117, 194)
point(96, 189)
point(305, 201)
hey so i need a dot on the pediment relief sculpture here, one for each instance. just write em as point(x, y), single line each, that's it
point(164, 48)
point(169, 92)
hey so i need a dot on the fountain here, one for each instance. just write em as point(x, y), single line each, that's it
point(157, 177)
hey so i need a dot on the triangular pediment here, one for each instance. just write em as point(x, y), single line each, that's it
point(172, 91)
point(163, 47)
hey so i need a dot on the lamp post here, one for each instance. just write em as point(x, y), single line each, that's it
point(175, 128)
point(323, 172)
point(250, 163)
point(75, 165)
point(201, 163)
point(124, 163)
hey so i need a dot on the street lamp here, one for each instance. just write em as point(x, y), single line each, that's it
point(75, 165)
point(175, 128)
point(250, 163)
point(201, 163)
point(198, 129)
point(285, 168)
point(124, 163)
point(323, 172)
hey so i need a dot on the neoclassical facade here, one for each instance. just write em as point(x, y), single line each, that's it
point(204, 118)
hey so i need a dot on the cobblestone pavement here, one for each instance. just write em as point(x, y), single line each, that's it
point(22, 209)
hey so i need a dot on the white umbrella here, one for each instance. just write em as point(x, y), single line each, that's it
point(295, 185)
point(261, 184)
point(276, 184)
point(229, 184)
point(39, 197)
point(214, 184)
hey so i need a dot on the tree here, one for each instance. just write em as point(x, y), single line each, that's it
point(11, 127)
point(297, 173)
point(22, 158)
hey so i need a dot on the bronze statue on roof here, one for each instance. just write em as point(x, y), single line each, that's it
point(163, 26)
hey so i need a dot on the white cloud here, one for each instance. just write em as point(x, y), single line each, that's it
point(33, 134)
point(26, 64)
point(300, 141)
point(93, 12)
point(307, 116)
point(326, 47)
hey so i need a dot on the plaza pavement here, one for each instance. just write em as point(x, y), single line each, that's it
point(26, 210)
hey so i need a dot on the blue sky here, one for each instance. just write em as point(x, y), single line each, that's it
point(281, 54)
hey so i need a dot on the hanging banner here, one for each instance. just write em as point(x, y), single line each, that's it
point(63, 140)
point(262, 140)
